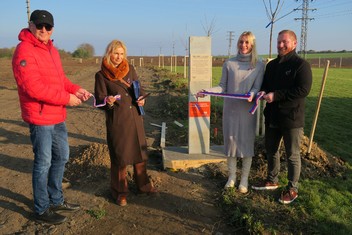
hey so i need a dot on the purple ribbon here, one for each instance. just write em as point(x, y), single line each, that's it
point(117, 97)
point(234, 96)
point(258, 97)
point(237, 96)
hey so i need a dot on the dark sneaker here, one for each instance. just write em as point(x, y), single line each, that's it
point(50, 217)
point(65, 206)
point(265, 185)
point(288, 196)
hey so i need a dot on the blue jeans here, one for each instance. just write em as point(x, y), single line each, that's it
point(51, 152)
point(292, 141)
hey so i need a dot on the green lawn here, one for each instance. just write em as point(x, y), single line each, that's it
point(321, 55)
point(324, 202)
point(327, 201)
point(333, 131)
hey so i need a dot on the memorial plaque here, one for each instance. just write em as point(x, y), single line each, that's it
point(199, 67)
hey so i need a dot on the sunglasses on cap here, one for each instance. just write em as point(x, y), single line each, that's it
point(46, 26)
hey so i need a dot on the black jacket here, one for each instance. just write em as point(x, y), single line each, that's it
point(290, 78)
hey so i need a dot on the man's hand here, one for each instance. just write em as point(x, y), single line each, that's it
point(74, 100)
point(83, 94)
point(269, 97)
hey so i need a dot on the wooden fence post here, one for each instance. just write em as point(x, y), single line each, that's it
point(318, 107)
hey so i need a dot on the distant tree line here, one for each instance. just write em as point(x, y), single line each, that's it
point(86, 50)
point(325, 52)
point(6, 52)
point(83, 51)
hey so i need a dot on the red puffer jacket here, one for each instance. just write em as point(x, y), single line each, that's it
point(43, 88)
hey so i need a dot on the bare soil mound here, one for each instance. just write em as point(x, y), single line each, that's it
point(93, 162)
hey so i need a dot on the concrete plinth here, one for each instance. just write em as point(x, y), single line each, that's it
point(179, 158)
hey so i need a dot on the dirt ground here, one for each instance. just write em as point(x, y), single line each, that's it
point(189, 202)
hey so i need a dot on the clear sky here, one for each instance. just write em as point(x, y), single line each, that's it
point(152, 27)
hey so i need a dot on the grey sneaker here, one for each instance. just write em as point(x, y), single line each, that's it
point(265, 185)
point(50, 217)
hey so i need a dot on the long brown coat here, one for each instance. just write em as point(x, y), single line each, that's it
point(124, 126)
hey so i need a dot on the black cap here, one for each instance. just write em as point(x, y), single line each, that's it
point(42, 17)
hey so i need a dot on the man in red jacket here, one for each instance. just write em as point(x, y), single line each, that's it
point(44, 92)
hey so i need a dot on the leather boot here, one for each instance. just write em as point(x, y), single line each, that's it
point(232, 167)
point(246, 167)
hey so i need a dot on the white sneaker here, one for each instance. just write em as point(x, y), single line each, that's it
point(242, 189)
point(230, 184)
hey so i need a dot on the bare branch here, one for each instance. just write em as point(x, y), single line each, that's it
point(209, 28)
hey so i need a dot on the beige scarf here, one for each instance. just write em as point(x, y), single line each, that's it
point(116, 73)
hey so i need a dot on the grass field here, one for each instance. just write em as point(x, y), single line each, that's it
point(322, 55)
point(334, 121)
point(328, 201)
point(332, 132)
point(325, 202)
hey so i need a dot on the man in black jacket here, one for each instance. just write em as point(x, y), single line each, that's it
point(287, 82)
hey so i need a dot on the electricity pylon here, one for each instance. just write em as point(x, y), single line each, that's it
point(304, 26)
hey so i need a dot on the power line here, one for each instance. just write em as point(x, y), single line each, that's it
point(335, 14)
point(332, 4)
point(328, 9)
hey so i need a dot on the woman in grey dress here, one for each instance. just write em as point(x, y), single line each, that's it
point(241, 74)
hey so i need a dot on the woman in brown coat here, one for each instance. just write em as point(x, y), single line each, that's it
point(124, 123)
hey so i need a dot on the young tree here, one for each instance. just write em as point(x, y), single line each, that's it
point(272, 17)
point(209, 27)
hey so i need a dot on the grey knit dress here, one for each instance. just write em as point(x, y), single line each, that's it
point(238, 77)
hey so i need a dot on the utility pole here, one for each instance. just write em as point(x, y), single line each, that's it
point(28, 10)
point(173, 48)
point(304, 26)
point(230, 42)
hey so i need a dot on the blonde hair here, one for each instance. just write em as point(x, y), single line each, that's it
point(251, 39)
point(112, 46)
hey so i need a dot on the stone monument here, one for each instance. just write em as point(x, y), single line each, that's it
point(200, 77)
